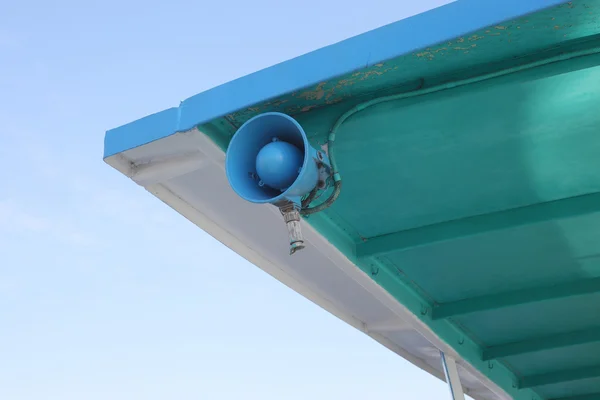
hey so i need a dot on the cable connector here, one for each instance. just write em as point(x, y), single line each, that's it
point(291, 216)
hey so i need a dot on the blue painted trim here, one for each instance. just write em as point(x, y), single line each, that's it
point(388, 42)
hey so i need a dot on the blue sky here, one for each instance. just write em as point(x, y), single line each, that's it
point(105, 292)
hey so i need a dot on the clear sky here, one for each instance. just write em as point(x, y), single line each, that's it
point(105, 292)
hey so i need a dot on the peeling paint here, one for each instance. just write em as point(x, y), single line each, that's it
point(308, 108)
point(366, 80)
point(316, 94)
point(465, 48)
point(371, 73)
point(475, 37)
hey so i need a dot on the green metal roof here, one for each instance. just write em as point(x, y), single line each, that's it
point(482, 198)
point(473, 197)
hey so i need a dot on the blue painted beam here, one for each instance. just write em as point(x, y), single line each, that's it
point(559, 377)
point(480, 224)
point(542, 343)
point(515, 298)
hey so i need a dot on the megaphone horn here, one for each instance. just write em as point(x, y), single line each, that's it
point(269, 160)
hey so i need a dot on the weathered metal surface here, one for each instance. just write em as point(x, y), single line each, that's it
point(429, 169)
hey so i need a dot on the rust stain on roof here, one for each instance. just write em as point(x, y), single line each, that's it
point(316, 94)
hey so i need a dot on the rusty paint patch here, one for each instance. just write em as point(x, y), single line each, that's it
point(371, 73)
point(275, 103)
point(308, 108)
point(329, 94)
point(475, 37)
point(431, 53)
point(427, 54)
point(335, 91)
point(465, 48)
point(316, 94)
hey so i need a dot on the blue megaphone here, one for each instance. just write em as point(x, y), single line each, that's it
point(269, 160)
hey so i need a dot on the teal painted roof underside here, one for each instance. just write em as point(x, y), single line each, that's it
point(475, 198)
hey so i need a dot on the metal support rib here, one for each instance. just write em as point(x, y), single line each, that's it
point(559, 377)
point(451, 230)
point(514, 298)
point(542, 343)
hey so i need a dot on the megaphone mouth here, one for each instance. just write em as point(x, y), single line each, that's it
point(283, 165)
